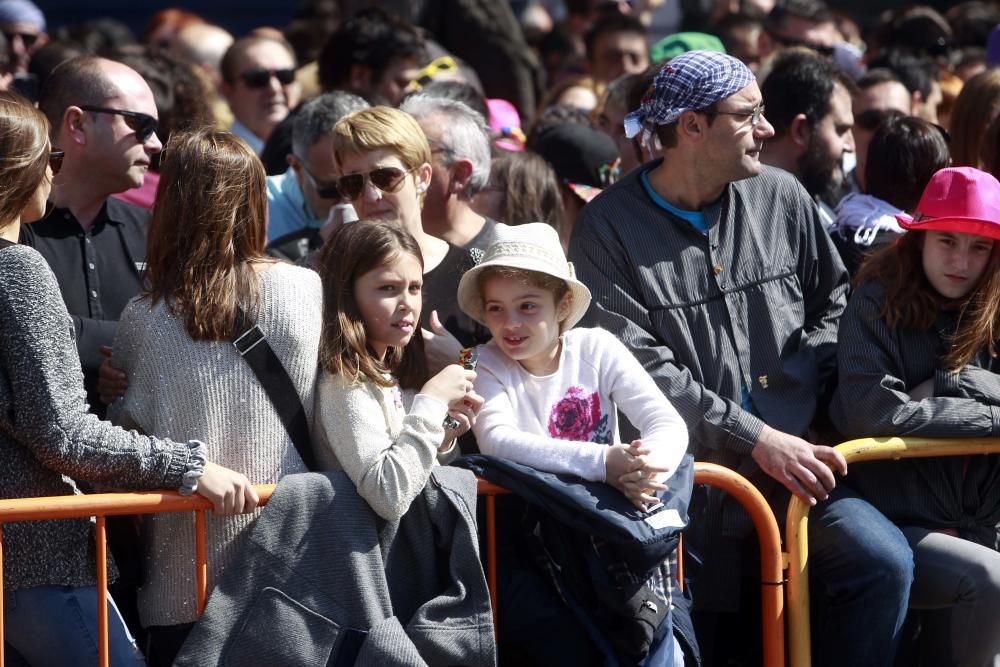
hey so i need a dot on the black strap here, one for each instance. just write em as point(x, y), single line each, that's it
point(252, 345)
point(4, 243)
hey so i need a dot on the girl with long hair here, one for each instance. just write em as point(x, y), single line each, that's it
point(379, 418)
point(917, 356)
point(205, 259)
point(48, 439)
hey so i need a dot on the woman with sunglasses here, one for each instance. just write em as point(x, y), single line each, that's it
point(48, 439)
point(384, 160)
point(204, 263)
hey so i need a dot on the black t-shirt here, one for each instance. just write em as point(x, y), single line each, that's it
point(441, 294)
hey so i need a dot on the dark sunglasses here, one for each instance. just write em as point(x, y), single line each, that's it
point(56, 160)
point(142, 124)
point(260, 78)
point(27, 38)
point(386, 179)
point(324, 190)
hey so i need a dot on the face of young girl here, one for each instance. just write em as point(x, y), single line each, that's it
point(954, 262)
point(524, 321)
point(389, 298)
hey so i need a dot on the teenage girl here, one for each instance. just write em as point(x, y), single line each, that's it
point(917, 357)
point(369, 423)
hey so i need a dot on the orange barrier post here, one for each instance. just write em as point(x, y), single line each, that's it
point(491, 491)
point(797, 521)
point(771, 557)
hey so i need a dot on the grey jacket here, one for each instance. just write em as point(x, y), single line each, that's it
point(324, 580)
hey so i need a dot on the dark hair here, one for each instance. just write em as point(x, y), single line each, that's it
point(76, 82)
point(727, 26)
point(814, 11)
point(971, 22)
point(227, 68)
point(915, 72)
point(876, 76)
point(98, 36)
point(556, 286)
point(309, 29)
point(560, 114)
point(902, 156)
point(918, 30)
point(611, 23)
point(800, 82)
point(460, 92)
point(24, 145)
point(912, 302)
point(529, 190)
point(51, 55)
point(208, 227)
point(351, 252)
point(977, 106)
point(373, 38)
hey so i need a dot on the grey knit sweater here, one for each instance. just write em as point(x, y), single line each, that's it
point(47, 437)
point(205, 390)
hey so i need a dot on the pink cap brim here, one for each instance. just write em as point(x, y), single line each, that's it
point(975, 226)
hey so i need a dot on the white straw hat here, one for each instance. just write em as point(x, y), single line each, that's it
point(534, 247)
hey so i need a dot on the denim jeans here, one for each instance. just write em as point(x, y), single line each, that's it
point(861, 569)
point(57, 625)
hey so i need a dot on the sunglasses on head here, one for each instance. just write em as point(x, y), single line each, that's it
point(55, 160)
point(142, 124)
point(260, 78)
point(386, 179)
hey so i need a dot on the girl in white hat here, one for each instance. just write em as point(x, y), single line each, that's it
point(552, 392)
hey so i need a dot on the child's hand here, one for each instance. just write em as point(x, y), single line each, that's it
point(645, 475)
point(450, 385)
point(618, 462)
point(464, 411)
point(440, 346)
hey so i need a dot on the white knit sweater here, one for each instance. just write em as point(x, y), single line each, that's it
point(206, 391)
point(564, 422)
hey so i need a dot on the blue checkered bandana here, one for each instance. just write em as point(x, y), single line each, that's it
point(691, 81)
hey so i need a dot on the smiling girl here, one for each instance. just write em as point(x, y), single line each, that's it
point(918, 357)
point(369, 423)
point(553, 392)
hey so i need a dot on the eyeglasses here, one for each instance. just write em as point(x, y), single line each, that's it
point(789, 41)
point(56, 160)
point(142, 124)
point(386, 179)
point(754, 115)
point(324, 190)
point(27, 38)
point(260, 78)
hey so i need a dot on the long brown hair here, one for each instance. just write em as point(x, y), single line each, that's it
point(208, 227)
point(976, 107)
point(353, 251)
point(912, 302)
point(24, 154)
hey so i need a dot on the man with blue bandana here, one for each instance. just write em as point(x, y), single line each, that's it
point(717, 273)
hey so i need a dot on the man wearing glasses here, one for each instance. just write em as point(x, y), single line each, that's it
point(23, 25)
point(258, 82)
point(717, 273)
point(300, 200)
point(104, 118)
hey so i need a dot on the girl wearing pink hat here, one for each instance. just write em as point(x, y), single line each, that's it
point(918, 357)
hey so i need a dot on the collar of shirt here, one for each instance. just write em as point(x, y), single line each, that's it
point(244, 133)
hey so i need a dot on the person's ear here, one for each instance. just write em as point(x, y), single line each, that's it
point(461, 174)
point(800, 132)
point(563, 308)
point(692, 125)
point(73, 126)
point(422, 176)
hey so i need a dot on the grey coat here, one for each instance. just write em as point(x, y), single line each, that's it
point(323, 580)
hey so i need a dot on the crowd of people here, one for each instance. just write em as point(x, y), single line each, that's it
point(577, 240)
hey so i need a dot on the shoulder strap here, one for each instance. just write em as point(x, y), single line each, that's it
point(251, 344)
point(4, 243)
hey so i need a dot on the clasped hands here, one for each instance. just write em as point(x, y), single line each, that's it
point(634, 470)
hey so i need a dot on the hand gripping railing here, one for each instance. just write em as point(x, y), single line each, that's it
point(796, 528)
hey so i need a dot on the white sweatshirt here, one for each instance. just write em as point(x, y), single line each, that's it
point(564, 422)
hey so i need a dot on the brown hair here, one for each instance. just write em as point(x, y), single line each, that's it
point(24, 154)
point(912, 302)
point(976, 107)
point(529, 190)
point(208, 228)
point(558, 287)
point(353, 251)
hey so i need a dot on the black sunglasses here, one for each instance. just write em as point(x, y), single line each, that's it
point(386, 179)
point(56, 160)
point(260, 78)
point(27, 38)
point(324, 190)
point(142, 124)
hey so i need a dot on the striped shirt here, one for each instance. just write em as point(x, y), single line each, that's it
point(753, 303)
point(878, 367)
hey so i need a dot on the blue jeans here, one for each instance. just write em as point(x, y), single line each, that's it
point(861, 568)
point(57, 625)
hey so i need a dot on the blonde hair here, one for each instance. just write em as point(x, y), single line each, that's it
point(24, 154)
point(377, 128)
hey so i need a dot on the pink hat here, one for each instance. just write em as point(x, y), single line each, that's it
point(958, 199)
point(505, 122)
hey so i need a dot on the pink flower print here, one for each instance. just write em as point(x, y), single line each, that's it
point(575, 416)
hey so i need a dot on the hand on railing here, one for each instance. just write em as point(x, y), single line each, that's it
point(804, 468)
point(229, 492)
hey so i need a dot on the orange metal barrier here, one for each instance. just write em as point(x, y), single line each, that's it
point(771, 556)
point(797, 521)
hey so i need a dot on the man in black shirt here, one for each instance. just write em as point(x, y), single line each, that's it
point(103, 116)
